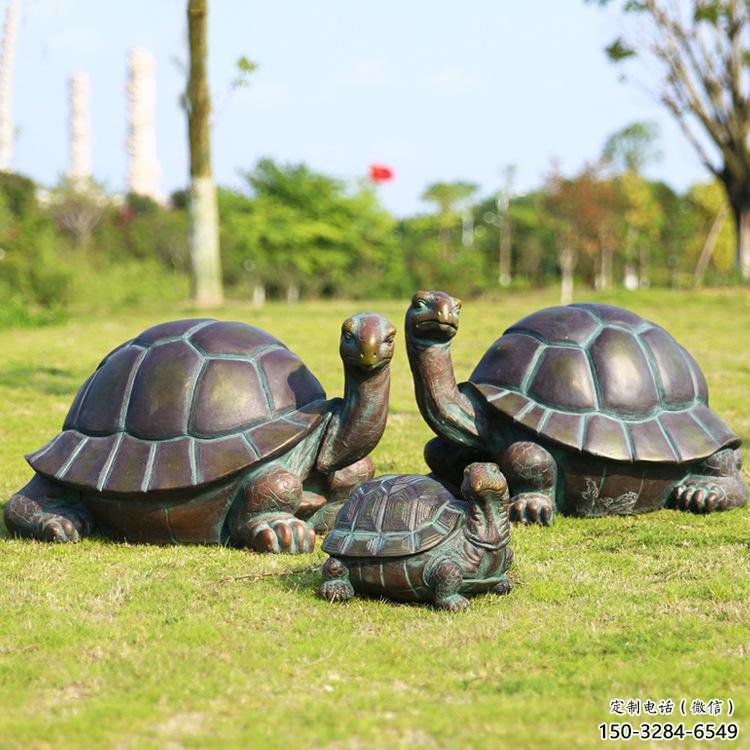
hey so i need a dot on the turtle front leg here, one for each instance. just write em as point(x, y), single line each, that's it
point(532, 478)
point(336, 586)
point(47, 511)
point(444, 580)
point(713, 484)
point(267, 522)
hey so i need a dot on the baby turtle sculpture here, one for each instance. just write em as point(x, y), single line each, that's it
point(201, 431)
point(408, 538)
point(588, 409)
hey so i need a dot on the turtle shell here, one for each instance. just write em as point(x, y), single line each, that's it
point(604, 381)
point(394, 515)
point(183, 404)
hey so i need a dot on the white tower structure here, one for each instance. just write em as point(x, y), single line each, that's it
point(143, 167)
point(7, 55)
point(79, 160)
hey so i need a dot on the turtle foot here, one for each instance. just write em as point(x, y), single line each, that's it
point(336, 591)
point(454, 603)
point(279, 532)
point(706, 494)
point(38, 511)
point(530, 508)
point(503, 587)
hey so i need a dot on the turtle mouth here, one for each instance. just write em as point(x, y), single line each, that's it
point(360, 364)
point(431, 327)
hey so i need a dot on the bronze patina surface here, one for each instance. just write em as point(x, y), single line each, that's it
point(588, 409)
point(408, 538)
point(203, 431)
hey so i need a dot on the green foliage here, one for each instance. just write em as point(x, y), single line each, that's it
point(301, 228)
point(632, 147)
point(617, 51)
point(18, 193)
point(297, 232)
point(245, 68)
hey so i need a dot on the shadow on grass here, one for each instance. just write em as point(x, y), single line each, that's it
point(52, 381)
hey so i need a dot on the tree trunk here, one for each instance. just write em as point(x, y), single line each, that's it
point(741, 211)
point(204, 216)
point(504, 252)
point(604, 278)
point(567, 266)
point(709, 244)
point(644, 266)
point(259, 295)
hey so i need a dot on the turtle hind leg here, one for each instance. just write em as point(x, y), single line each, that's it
point(444, 580)
point(532, 478)
point(336, 586)
point(713, 484)
point(267, 522)
point(47, 511)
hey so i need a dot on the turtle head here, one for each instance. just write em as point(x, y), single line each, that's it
point(483, 483)
point(432, 317)
point(367, 341)
point(485, 489)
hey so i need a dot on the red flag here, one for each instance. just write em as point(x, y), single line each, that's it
point(380, 173)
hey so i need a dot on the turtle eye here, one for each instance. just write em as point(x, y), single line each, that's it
point(457, 310)
point(420, 303)
point(390, 337)
point(348, 335)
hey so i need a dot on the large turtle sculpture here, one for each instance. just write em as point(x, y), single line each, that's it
point(201, 431)
point(406, 537)
point(588, 409)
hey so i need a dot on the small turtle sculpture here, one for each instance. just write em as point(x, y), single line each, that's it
point(202, 431)
point(588, 409)
point(408, 538)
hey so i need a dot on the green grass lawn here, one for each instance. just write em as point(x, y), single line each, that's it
point(126, 646)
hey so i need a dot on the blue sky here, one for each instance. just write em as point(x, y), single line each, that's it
point(438, 90)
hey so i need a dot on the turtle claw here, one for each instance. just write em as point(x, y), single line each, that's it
point(698, 497)
point(530, 508)
point(280, 533)
point(339, 590)
point(502, 588)
point(59, 529)
point(454, 603)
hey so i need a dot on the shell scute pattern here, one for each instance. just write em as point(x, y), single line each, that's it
point(182, 404)
point(393, 516)
point(605, 381)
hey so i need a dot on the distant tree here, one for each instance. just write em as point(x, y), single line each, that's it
point(626, 152)
point(698, 56)
point(204, 216)
point(632, 147)
point(300, 232)
point(581, 213)
point(78, 206)
point(447, 197)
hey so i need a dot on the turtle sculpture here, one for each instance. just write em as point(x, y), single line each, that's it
point(409, 538)
point(202, 431)
point(588, 409)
